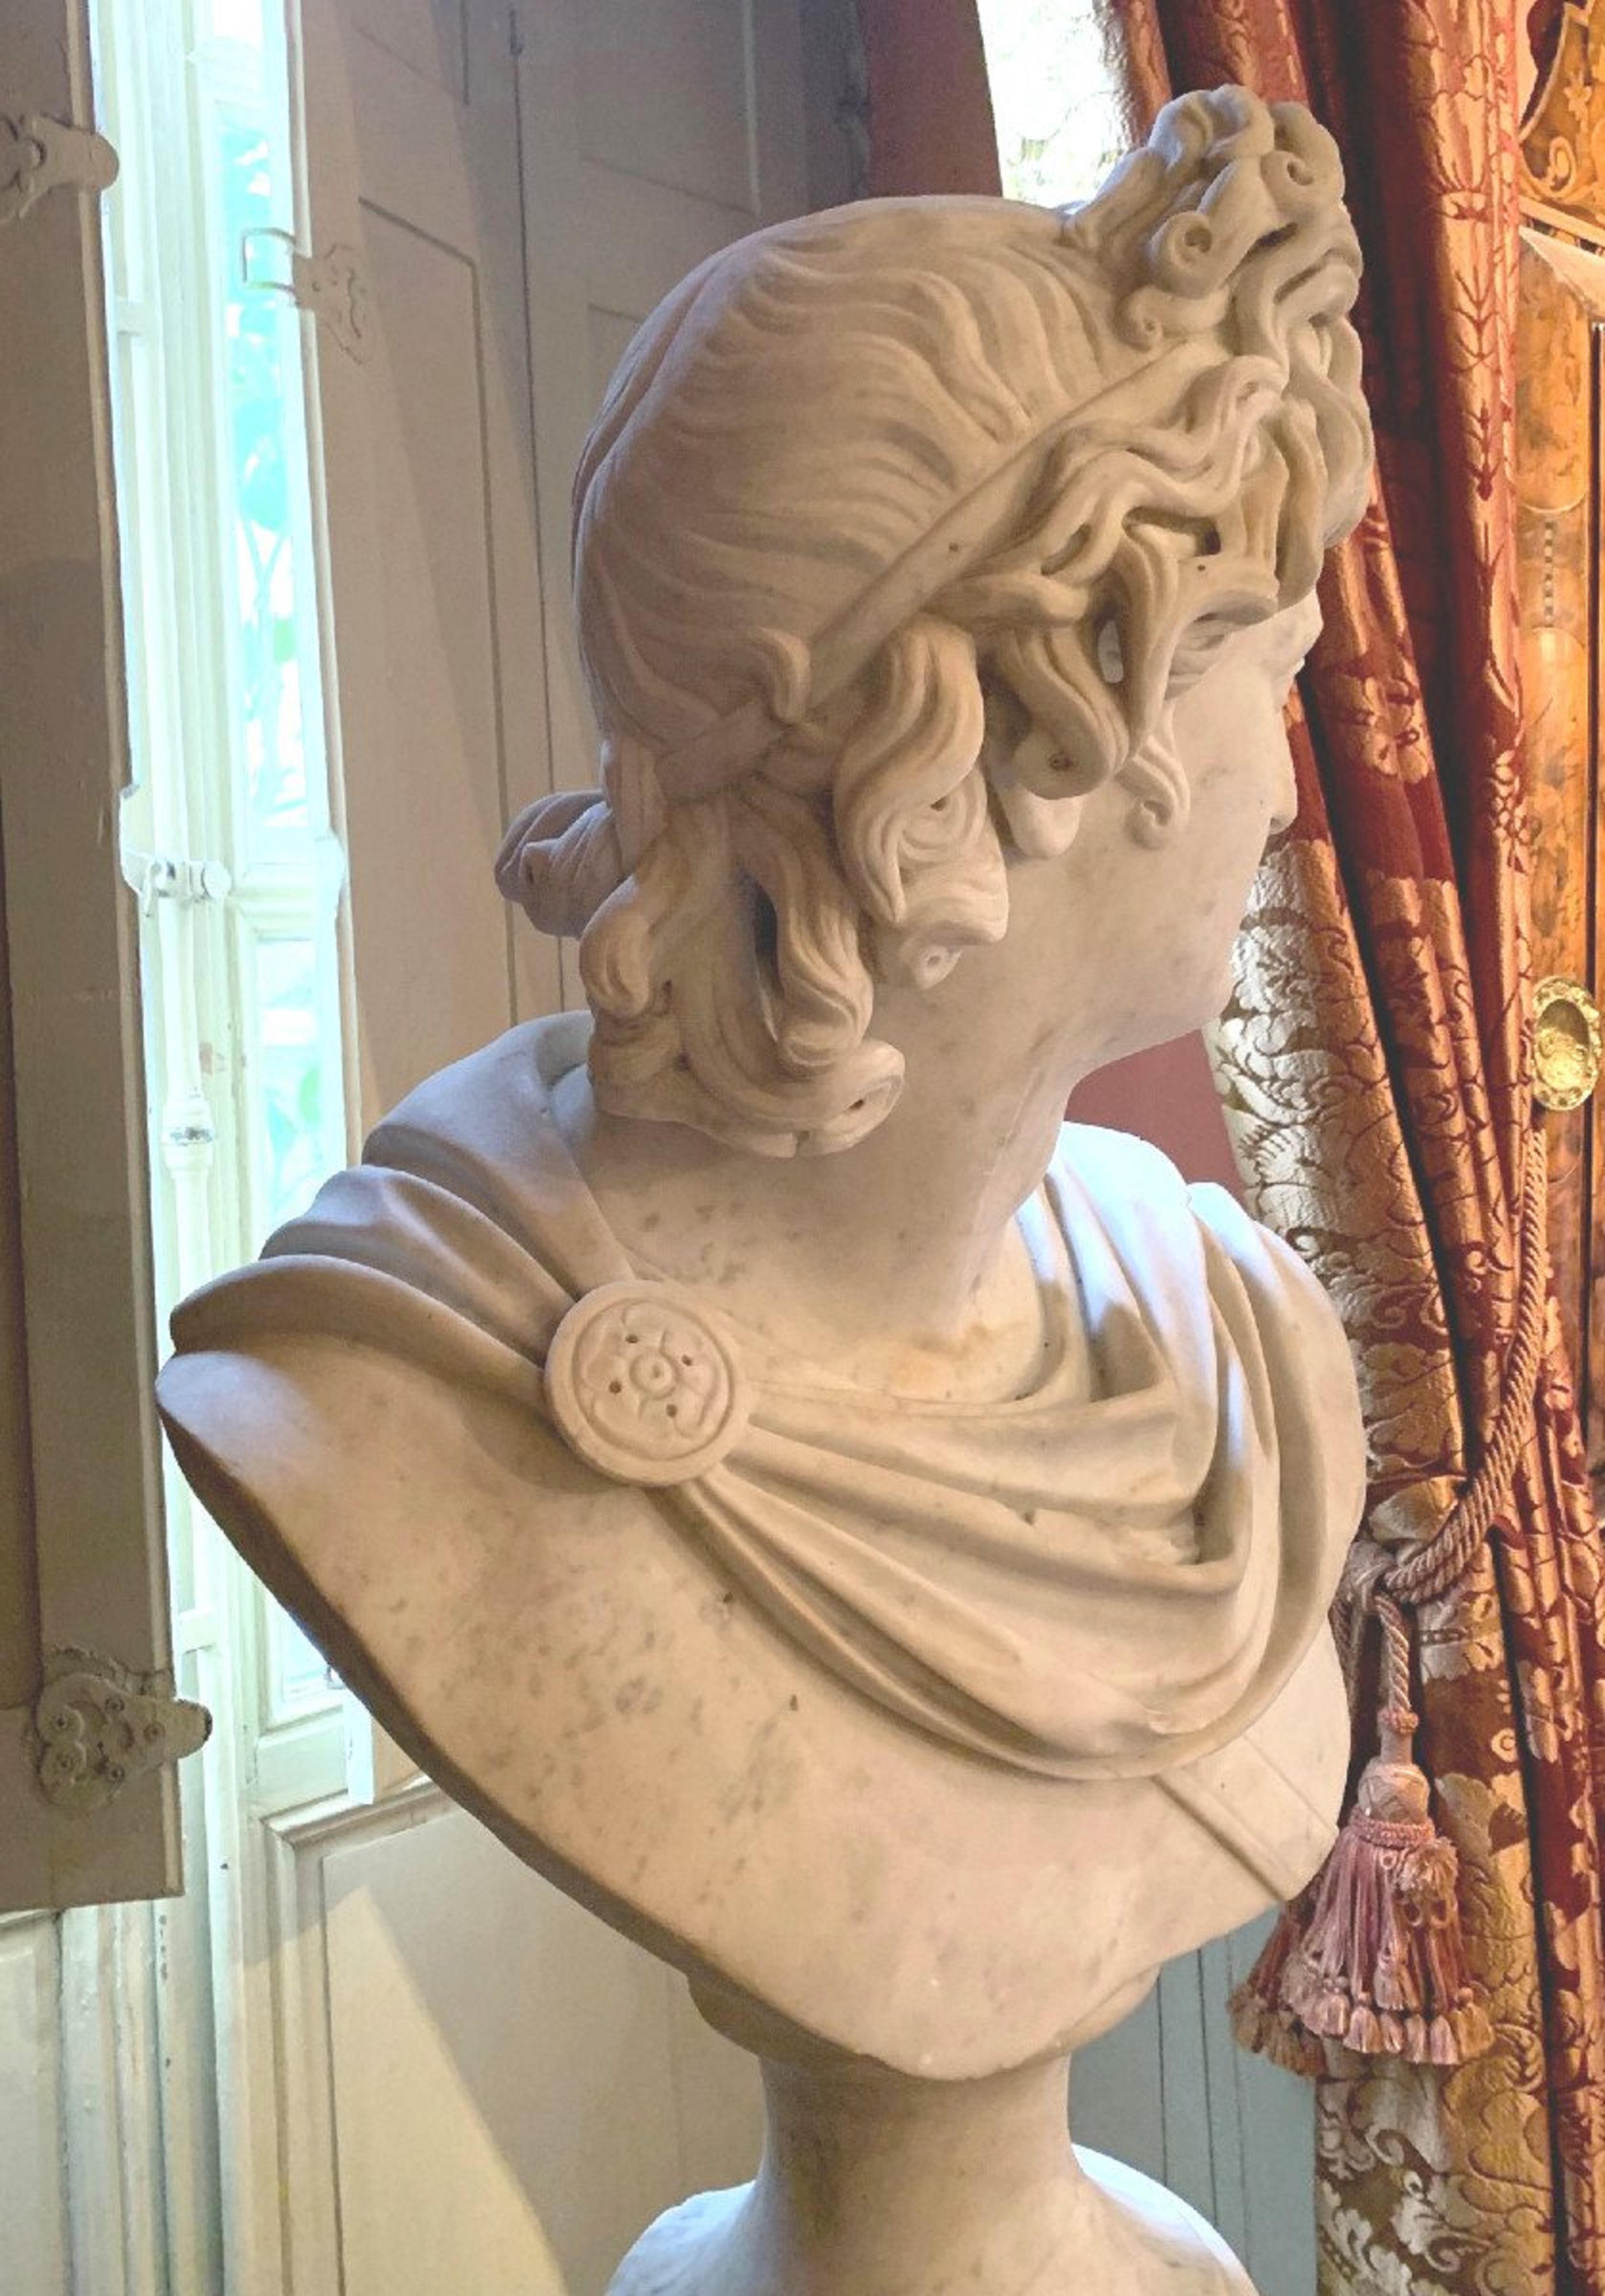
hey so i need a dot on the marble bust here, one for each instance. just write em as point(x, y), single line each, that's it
point(868, 1541)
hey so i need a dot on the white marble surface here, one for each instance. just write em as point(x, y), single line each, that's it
point(869, 1546)
point(891, 2187)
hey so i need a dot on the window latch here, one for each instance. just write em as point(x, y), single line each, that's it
point(96, 1725)
point(332, 287)
point(162, 877)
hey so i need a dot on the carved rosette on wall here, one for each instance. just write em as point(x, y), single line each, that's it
point(97, 1725)
point(1563, 139)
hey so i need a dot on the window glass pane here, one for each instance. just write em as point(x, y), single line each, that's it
point(297, 1082)
point(237, 20)
point(226, 833)
point(301, 1677)
point(1054, 97)
point(262, 447)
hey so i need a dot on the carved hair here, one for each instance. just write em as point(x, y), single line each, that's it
point(870, 484)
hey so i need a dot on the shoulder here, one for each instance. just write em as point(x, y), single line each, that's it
point(1151, 1216)
point(465, 1227)
point(1268, 1263)
point(1127, 1189)
point(1113, 1166)
point(491, 1094)
point(1127, 1180)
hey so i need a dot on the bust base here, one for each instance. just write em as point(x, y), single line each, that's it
point(876, 2184)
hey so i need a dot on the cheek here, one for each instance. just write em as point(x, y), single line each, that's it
point(1208, 874)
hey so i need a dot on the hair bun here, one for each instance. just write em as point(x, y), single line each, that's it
point(560, 860)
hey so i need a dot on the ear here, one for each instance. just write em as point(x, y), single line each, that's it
point(1041, 828)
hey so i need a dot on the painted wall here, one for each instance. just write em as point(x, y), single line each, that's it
point(1168, 1096)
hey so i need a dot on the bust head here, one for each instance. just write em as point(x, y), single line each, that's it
point(903, 529)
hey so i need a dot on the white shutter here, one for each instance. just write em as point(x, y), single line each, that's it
point(88, 1728)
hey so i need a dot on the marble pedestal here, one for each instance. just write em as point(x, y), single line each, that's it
point(875, 2184)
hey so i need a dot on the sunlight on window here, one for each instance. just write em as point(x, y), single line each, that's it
point(237, 20)
point(264, 536)
point(1054, 97)
point(227, 836)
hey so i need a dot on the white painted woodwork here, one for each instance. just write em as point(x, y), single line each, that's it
point(80, 1217)
point(19, 1601)
point(522, 2058)
point(33, 2200)
point(436, 2071)
point(433, 578)
point(1169, 2091)
point(655, 132)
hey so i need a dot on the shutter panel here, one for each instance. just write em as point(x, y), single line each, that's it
point(88, 1813)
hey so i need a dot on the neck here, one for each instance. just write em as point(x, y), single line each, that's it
point(905, 1240)
point(883, 2184)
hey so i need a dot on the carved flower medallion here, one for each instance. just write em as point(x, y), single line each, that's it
point(642, 1386)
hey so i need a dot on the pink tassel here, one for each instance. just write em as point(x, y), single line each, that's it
point(1381, 1967)
point(1261, 2020)
point(1372, 1957)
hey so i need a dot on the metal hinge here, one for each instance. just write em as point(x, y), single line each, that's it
point(97, 1725)
point(38, 156)
point(334, 287)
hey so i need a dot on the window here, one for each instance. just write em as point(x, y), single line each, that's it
point(1054, 97)
point(227, 834)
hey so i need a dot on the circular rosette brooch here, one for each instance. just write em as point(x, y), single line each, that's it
point(643, 1386)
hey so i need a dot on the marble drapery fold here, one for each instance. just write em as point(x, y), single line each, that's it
point(1110, 1574)
point(1374, 1063)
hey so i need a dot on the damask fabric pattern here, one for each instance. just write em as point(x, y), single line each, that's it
point(1373, 1063)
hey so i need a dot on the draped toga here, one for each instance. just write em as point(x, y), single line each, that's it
point(1110, 1574)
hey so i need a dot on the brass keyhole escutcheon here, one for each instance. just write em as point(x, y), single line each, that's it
point(1566, 1043)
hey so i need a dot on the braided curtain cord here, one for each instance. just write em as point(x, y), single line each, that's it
point(1438, 1564)
point(1372, 1958)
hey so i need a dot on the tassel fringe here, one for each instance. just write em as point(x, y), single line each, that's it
point(1372, 1957)
point(1381, 1967)
point(1261, 2020)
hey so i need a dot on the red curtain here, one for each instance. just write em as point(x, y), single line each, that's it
point(1374, 1060)
point(930, 107)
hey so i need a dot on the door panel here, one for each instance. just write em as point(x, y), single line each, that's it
point(663, 96)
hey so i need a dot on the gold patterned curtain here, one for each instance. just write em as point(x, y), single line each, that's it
point(1374, 1063)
